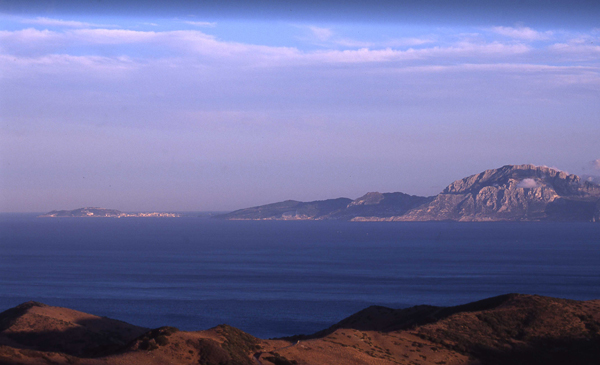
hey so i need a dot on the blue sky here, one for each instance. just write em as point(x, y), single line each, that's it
point(214, 108)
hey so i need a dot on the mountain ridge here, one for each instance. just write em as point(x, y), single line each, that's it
point(509, 193)
point(506, 329)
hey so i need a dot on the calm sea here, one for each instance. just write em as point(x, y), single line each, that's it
point(282, 278)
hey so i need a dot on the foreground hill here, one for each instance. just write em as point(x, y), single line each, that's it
point(509, 193)
point(35, 333)
point(508, 329)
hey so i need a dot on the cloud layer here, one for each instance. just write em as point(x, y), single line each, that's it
point(212, 117)
point(524, 33)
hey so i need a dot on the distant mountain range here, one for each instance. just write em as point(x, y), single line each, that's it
point(509, 193)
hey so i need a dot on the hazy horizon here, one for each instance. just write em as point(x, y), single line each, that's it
point(217, 106)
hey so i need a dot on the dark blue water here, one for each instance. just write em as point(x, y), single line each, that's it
point(282, 278)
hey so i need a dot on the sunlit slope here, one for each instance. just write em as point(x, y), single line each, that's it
point(508, 329)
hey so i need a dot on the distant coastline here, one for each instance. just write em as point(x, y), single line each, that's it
point(509, 193)
point(94, 212)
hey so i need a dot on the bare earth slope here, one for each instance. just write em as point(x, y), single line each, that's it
point(508, 329)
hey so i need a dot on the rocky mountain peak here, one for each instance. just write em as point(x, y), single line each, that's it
point(509, 193)
point(513, 192)
point(528, 176)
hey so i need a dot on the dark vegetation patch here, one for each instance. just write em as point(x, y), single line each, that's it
point(386, 320)
point(542, 352)
point(76, 341)
point(238, 344)
point(277, 359)
point(155, 338)
point(211, 353)
point(529, 331)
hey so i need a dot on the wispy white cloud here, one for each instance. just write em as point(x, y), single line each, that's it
point(30, 41)
point(201, 24)
point(63, 23)
point(527, 184)
point(503, 67)
point(25, 36)
point(322, 34)
point(61, 67)
point(187, 96)
point(357, 56)
point(458, 51)
point(580, 49)
point(403, 42)
point(192, 42)
point(474, 52)
point(523, 33)
point(353, 43)
point(391, 43)
point(112, 36)
point(95, 61)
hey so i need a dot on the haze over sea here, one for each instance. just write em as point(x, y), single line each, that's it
point(277, 278)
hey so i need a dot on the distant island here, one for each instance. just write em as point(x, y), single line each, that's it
point(507, 329)
point(105, 213)
point(509, 193)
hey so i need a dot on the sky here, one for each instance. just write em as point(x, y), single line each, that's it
point(221, 105)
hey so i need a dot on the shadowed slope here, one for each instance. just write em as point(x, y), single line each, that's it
point(41, 327)
point(372, 204)
point(382, 319)
point(526, 329)
point(507, 329)
point(289, 210)
point(380, 205)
